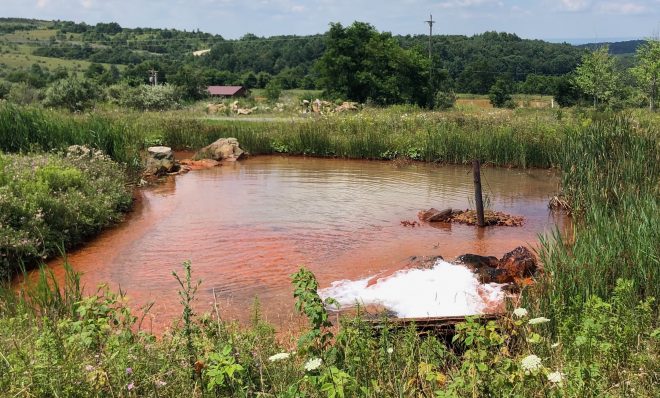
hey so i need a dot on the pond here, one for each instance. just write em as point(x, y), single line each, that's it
point(247, 226)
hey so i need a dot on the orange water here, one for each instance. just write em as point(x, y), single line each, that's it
point(247, 226)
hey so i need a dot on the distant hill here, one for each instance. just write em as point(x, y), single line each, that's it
point(471, 63)
point(616, 48)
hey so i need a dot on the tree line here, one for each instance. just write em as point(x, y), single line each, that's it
point(355, 62)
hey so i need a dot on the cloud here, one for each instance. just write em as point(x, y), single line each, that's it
point(42, 3)
point(626, 8)
point(465, 3)
point(87, 3)
point(574, 5)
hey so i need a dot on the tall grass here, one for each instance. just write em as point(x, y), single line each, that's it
point(500, 139)
point(611, 176)
point(26, 129)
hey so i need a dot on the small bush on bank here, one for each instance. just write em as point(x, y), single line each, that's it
point(48, 202)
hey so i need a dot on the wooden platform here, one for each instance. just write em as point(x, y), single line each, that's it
point(432, 325)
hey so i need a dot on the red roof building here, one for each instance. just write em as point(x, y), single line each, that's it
point(227, 91)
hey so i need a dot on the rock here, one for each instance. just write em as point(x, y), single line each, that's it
point(518, 263)
point(346, 106)
point(475, 261)
point(434, 215)
point(492, 275)
point(222, 149)
point(160, 160)
point(200, 164)
point(423, 262)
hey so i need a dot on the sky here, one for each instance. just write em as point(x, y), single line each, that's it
point(555, 20)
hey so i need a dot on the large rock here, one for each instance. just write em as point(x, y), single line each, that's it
point(160, 160)
point(516, 267)
point(519, 263)
point(434, 215)
point(222, 149)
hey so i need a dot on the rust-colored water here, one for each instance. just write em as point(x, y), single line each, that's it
point(247, 226)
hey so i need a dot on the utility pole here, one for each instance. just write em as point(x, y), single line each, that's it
point(430, 22)
point(153, 76)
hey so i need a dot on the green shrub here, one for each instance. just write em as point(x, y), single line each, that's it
point(49, 202)
point(73, 93)
point(444, 99)
point(151, 98)
point(23, 94)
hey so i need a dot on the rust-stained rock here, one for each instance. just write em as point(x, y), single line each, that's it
point(516, 267)
point(199, 164)
point(519, 263)
point(475, 261)
point(423, 262)
point(434, 215)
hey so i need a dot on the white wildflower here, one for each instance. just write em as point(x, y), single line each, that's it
point(531, 363)
point(555, 377)
point(520, 312)
point(313, 364)
point(279, 357)
point(537, 321)
point(390, 350)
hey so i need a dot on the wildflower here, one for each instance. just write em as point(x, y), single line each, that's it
point(279, 357)
point(555, 377)
point(130, 386)
point(129, 371)
point(313, 364)
point(160, 383)
point(390, 350)
point(537, 321)
point(531, 363)
point(89, 368)
point(520, 312)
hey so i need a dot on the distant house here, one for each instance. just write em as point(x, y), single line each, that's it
point(227, 91)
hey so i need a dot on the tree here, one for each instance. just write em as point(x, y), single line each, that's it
point(273, 90)
point(565, 92)
point(647, 71)
point(596, 76)
point(362, 64)
point(500, 94)
point(190, 82)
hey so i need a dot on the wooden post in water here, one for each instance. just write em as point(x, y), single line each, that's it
point(478, 200)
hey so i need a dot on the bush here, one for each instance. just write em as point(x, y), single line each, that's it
point(73, 94)
point(48, 202)
point(273, 90)
point(444, 99)
point(150, 98)
point(24, 94)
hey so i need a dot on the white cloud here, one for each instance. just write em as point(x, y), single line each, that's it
point(87, 3)
point(626, 8)
point(42, 3)
point(466, 3)
point(574, 5)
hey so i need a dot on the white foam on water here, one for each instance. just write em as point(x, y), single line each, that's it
point(444, 290)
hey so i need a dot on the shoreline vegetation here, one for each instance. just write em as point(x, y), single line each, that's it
point(588, 327)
